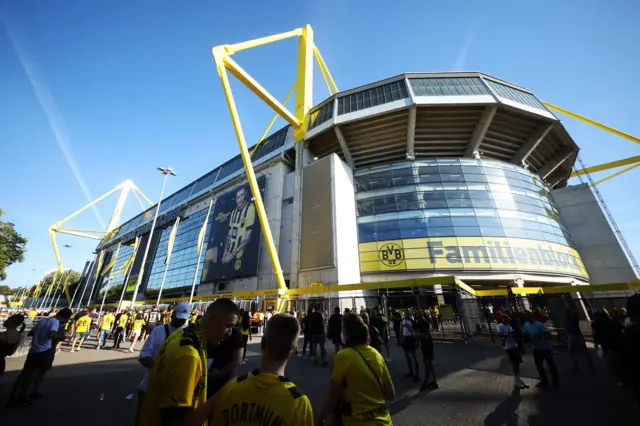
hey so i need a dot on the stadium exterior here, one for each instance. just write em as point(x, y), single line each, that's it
point(418, 175)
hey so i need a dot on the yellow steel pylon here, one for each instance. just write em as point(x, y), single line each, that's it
point(303, 87)
point(633, 161)
point(125, 189)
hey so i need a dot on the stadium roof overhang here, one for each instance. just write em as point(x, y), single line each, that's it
point(452, 114)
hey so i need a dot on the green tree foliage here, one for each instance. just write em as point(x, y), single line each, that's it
point(72, 277)
point(5, 290)
point(12, 246)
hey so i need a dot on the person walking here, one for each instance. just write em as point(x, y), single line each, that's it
point(154, 342)
point(121, 324)
point(379, 321)
point(409, 346)
point(316, 326)
point(423, 327)
point(136, 330)
point(360, 386)
point(39, 360)
point(104, 328)
point(540, 336)
point(10, 338)
point(507, 334)
point(81, 331)
point(273, 398)
point(631, 346)
point(334, 329)
point(577, 346)
point(245, 330)
point(177, 381)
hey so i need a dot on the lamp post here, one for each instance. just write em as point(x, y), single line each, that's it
point(166, 171)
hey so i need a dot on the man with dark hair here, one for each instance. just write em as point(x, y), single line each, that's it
point(316, 327)
point(177, 382)
point(40, 358)
point(265, 395)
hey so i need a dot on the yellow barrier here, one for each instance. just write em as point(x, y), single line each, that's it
point(400, 284)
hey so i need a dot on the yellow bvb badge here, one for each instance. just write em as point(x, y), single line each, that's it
point(391, 255)
point(237, 265)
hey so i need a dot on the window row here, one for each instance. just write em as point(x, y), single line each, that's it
point(268, 146)
point(321, 115)
point(367, 236)
point(515, 95)
point(425, 162)
point(469, 86)
point(417, 201)
point(372, 97)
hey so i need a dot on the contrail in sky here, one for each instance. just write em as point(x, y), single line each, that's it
point(461, 58)
point(49, 105)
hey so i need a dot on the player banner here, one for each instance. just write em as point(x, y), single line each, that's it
point(234, 236)
point(470, 254)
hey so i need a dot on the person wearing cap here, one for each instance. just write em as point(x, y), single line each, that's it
point(154, 342)
point(178, 379)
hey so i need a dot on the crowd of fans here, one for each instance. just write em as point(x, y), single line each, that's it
point(190, 357)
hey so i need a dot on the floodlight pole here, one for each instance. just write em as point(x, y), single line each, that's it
point(166, 171)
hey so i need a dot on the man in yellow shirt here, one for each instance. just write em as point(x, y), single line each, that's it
point(106, 323)
point(83, 321)
point(178, 380)
point(121, 324)
point(263, 396)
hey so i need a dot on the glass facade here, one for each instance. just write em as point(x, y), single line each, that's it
point(454, 198)
point(373, 97)
point(117, 273)
point(184, 255)
point(473, 205)
point(461, 86)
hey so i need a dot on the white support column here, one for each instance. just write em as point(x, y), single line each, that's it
point(554, 163)
point(411, 133)
point(343, 145)
point(481, 129)
point(532, 142)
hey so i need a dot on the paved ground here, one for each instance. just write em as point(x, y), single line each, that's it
point(475, 389)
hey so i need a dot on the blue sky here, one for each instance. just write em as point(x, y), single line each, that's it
point(96, 92)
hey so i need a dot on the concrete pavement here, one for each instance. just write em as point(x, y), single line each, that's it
point(475, 389)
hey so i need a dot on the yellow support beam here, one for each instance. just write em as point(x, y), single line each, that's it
point(273, 120)
point(251, 176)
point(91, 231)
point(325, 70)
point(607, 166)
point(586, 120)
point(237, 47)
point(77, 234)
point(616, 174)
point(304, 81)
point(260, 91)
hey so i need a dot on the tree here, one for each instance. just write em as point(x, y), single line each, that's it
point(5, 290)
point(12, 246)
point(72, 278)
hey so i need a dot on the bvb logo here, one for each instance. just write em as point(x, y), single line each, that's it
point(391, 255)
point(237, 265)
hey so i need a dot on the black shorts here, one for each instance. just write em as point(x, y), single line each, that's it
point(409, 343)
point(426, 345)
point(41, 361)
point(514, 355)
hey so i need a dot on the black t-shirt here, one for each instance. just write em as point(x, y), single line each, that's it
point(316, 323)
point(154, 318)
point(221, 354)
point(335, 326)
point(379, 324)
point(423, 326)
